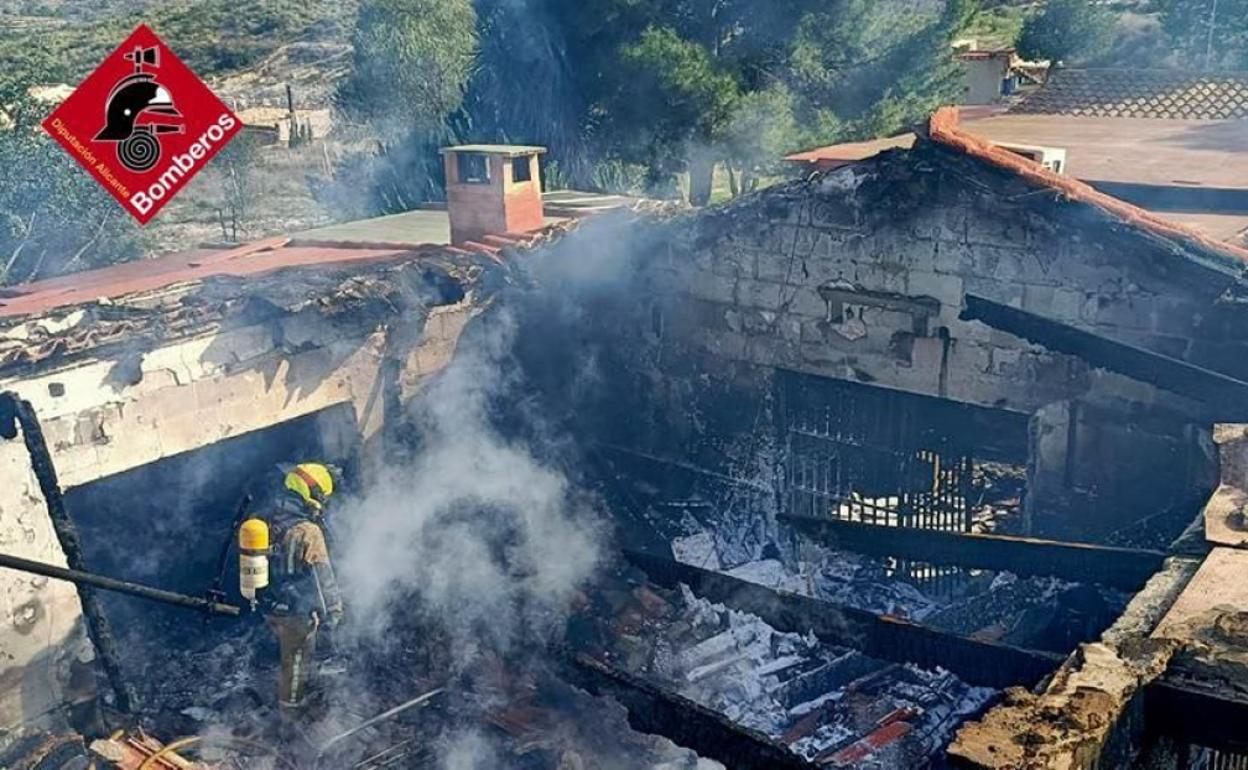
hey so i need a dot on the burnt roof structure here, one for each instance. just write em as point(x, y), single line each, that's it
point(795, 350)
point(945, 130)
point(947, 338)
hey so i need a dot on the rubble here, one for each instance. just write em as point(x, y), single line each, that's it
point(681, 358)
point(143, 752)
point(1041, 613)
point(42, 751)
point(1071, 720)
point(144, 320)
point(832, 705)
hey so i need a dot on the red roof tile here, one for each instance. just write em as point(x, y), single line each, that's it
point(151, 274)
point(943, 129)
point(1129, 92)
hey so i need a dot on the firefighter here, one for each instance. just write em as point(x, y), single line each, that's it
point(303, 595)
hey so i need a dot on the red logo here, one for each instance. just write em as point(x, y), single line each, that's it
point(142, 124)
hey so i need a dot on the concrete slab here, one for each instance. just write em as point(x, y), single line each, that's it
point(1224, 517)
point(420, 226)
point(1221, 581)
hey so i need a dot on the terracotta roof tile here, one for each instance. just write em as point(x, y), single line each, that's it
point(944, 130)
point(1140, 93)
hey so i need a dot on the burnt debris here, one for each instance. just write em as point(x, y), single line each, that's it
point(898, 466)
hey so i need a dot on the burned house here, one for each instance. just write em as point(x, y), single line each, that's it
point(894, 342)
point(168, 369)
point(951, 300)
point(898, 465)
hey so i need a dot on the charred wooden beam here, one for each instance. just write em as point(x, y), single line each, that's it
point(15, 413)
point(653, 709)
point(1226, 396)
point(888, 638)
point(127, 587)
point(1178, 708)
point(1125, 568)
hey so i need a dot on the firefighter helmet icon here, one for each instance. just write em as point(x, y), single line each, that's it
point(129, 111)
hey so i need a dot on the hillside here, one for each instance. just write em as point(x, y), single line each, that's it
point(582, 77)
point(50, 41)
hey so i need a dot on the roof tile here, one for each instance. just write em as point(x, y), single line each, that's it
point(944, 130)
point(1140, 93)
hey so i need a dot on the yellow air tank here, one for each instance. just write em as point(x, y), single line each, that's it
point(253, 558)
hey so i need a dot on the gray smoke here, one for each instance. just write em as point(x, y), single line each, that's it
point(474, 531)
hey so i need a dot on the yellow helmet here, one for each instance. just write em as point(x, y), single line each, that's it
point(312, 482)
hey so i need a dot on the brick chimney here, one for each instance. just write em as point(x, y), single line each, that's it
point(492, 188)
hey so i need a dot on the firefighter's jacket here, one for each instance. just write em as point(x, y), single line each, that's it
point(303, 575)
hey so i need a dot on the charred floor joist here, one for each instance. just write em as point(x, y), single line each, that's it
point(894, 639)
point(1172, 707)
point(1125, 568)
point(1197, 716)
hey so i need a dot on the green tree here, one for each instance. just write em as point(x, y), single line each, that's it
point(1208, 34)
point(540, 67)
point(1066, 31)
point(411, 64)
point(412, 61)
point(698, 99)
point(54, 217)
point(861, 68)
point(763, 127)
point(613, 84)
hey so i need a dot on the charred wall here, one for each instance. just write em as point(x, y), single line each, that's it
point(860, 275)
point(146, 378)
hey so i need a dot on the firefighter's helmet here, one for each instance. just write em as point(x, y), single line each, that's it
point(312, 482)
point(131, 97)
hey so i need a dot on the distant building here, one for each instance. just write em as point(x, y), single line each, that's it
point(992, 75)
point(52, 93)
point(1173, 143)
point(987, 76)
point(276, 120)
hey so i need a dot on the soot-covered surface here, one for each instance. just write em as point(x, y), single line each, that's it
point(1035, 612)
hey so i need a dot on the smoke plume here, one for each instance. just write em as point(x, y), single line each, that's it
point(473, 530)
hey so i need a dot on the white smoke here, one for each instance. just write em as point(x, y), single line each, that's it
point(469, 750)
point(474, 531)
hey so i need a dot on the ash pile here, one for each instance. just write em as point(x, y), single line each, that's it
point(831, 706)
point(1042, 613)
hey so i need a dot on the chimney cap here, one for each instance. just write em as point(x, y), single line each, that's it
point(505, 150)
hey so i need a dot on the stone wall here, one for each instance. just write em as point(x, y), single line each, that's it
point(179, 397)
point(861, 275)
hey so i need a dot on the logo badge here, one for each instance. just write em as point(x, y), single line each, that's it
point(143, 124)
